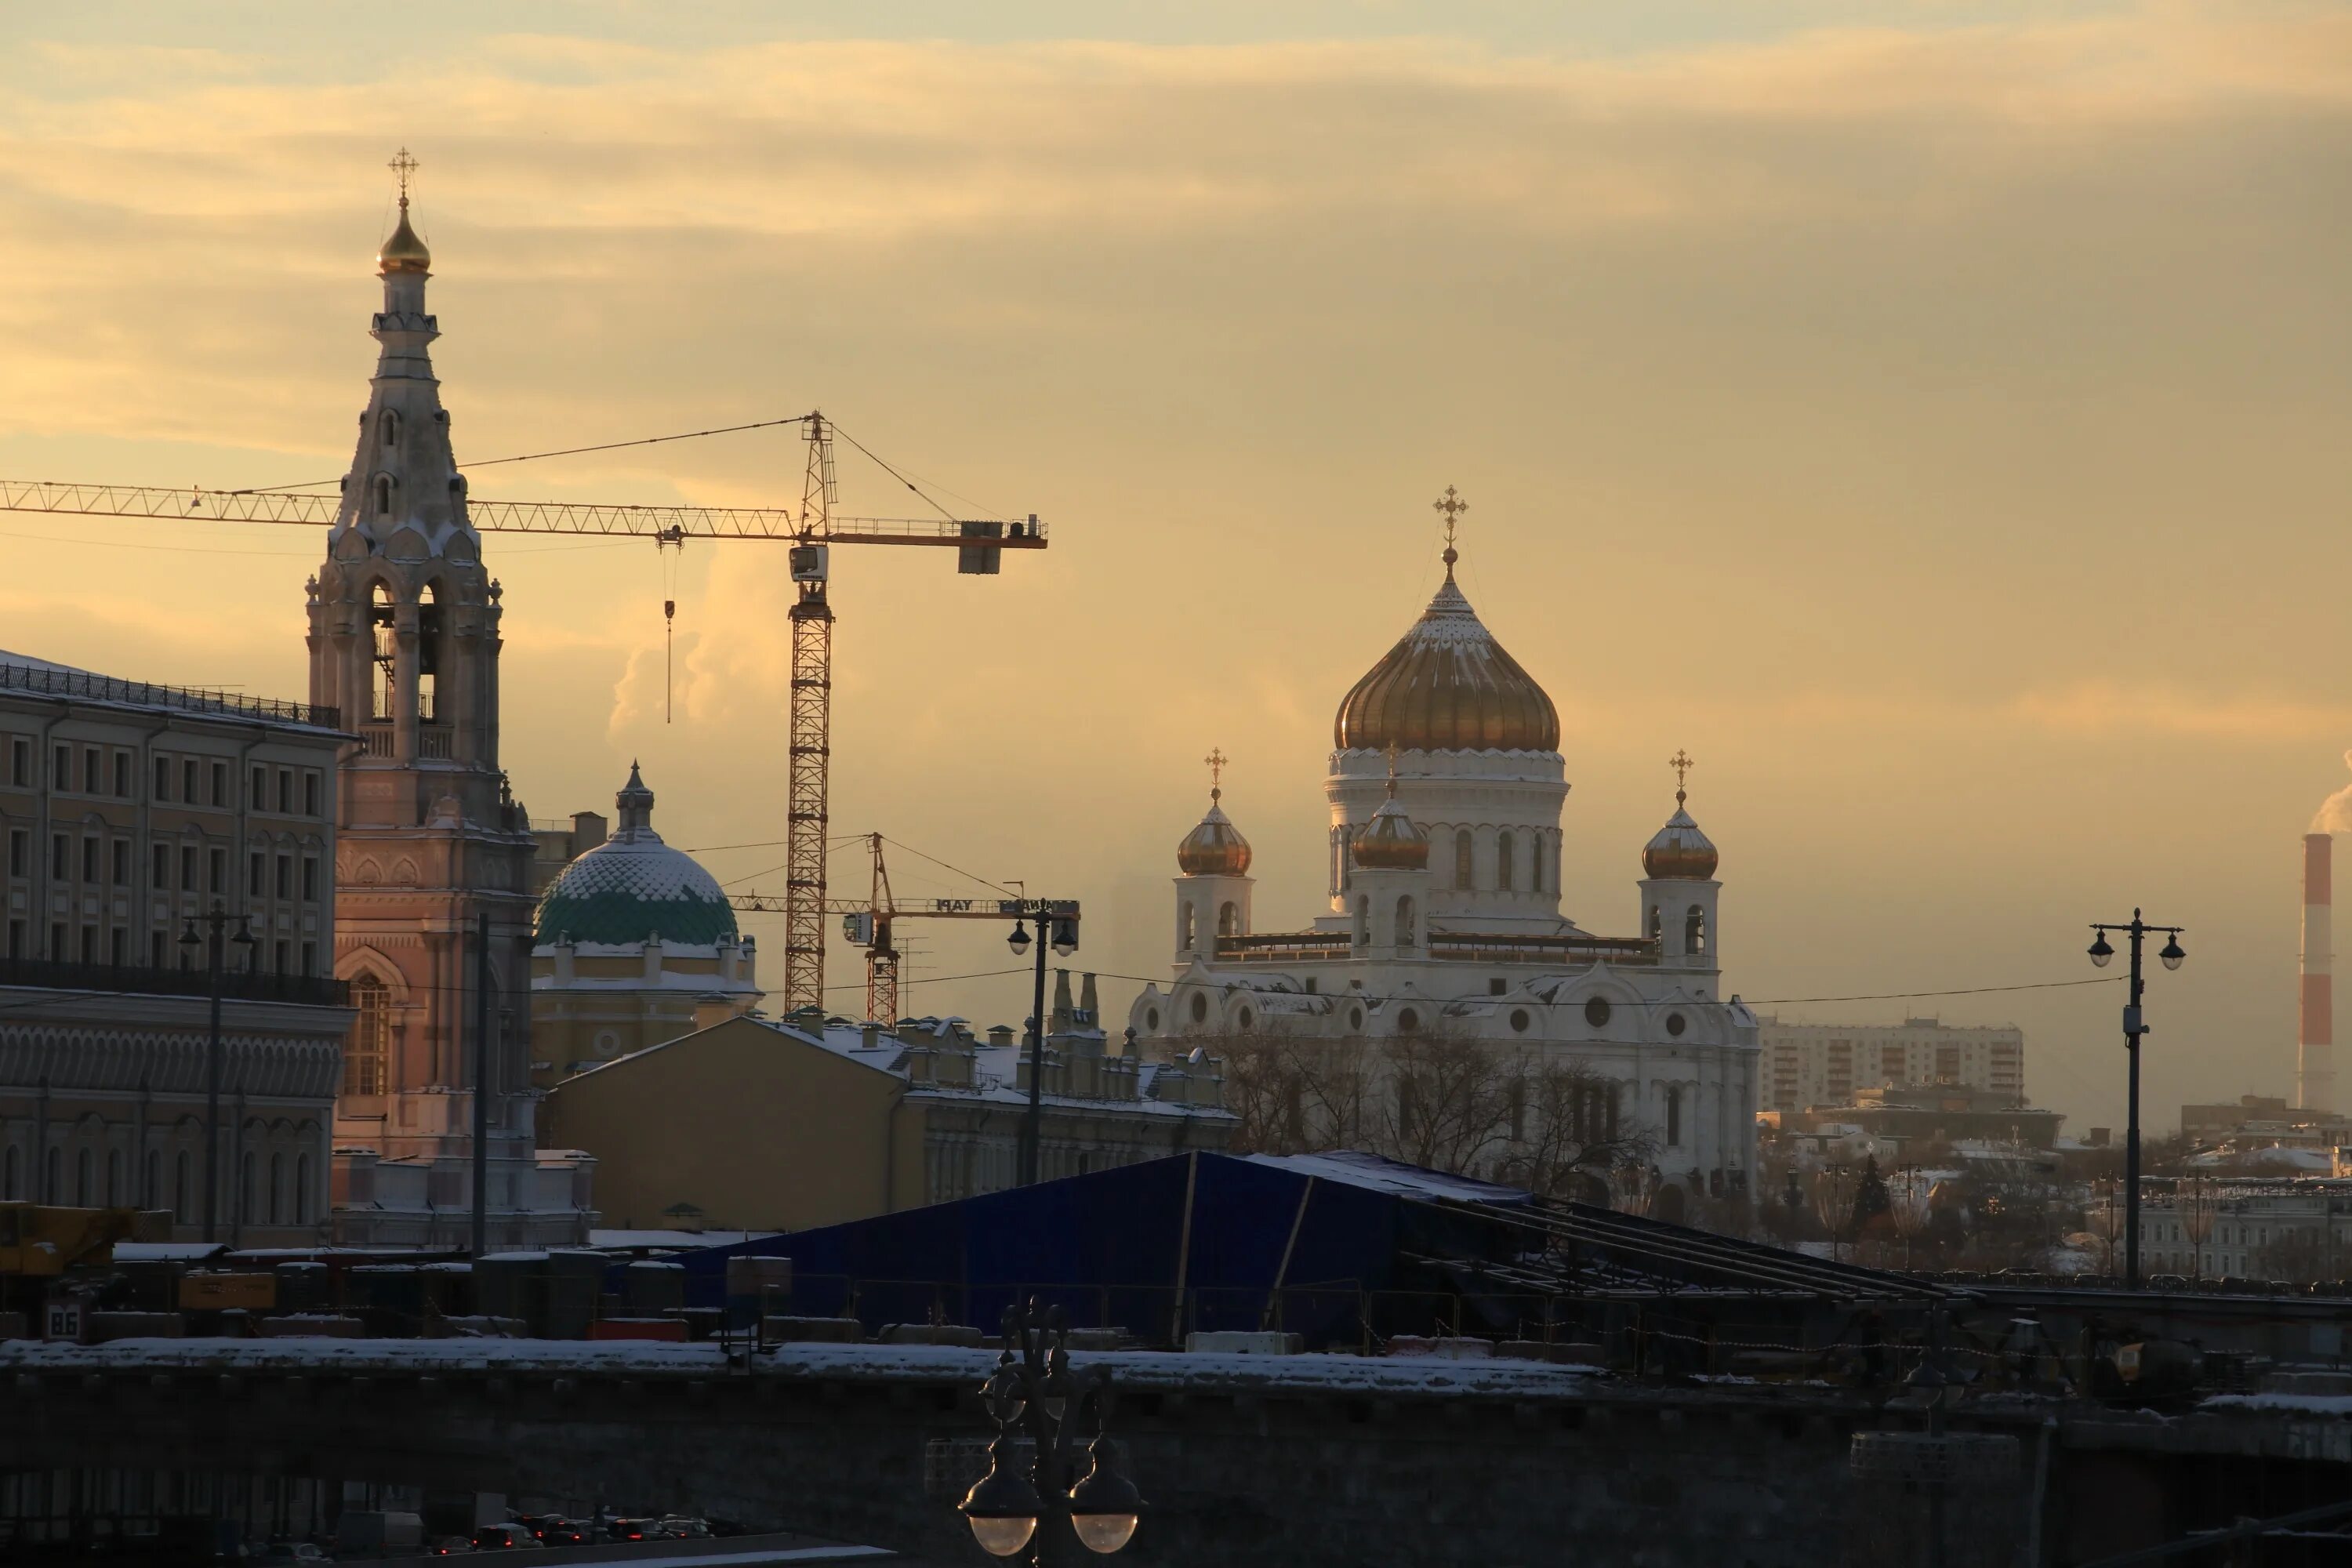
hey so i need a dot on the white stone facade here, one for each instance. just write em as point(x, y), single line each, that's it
point(1473, 939)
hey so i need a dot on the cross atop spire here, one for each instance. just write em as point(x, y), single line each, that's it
point(1682, 765)
point(1216, 761)
point(401, 166)
point(1452, 506)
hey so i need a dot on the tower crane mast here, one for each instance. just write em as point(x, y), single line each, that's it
point(810, 529)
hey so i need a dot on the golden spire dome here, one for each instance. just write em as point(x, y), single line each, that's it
point(1447, 685)
point(1214, 848)
point(1680, 851)
point(1389, 841)
point(403, 252)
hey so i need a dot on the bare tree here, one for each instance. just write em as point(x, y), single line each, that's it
point(2198, 1202)
point(1447, 1104)
point(1566, 1135)
point(1291, 1095)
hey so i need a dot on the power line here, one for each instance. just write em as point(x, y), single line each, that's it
point(562, 452)
point(959, 871)
point(1428, 1000)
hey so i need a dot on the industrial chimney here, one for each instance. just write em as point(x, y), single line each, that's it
point(2315, 1057)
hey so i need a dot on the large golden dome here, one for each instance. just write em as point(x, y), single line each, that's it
point(403, 252)
point(1447, 686)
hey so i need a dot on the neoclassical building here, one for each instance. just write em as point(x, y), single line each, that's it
point(405, 645)
point(636, 946)
point(1446, 792)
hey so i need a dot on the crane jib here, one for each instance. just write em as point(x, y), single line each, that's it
point(673, 523)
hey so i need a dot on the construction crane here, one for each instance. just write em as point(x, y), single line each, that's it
point(811, 531)
point(868, 924)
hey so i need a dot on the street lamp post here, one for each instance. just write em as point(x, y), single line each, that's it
point(2134, 1026)
point(1034, 1392)
point(217, 921)
point(1062, 934)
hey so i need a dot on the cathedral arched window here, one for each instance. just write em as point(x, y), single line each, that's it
point(151, 1191)
point(86, 1180)
point(1535, 862)
point(1674, 1116)
point(1464, 862)
point(1229, 921)
point(114, 1193)
point(1185, 928)
point(370, 1039)
point(384, 650)
point(53, 1176)
point(277, 1185)
point(1695, 930)
point(302, 1189)
point(1657, 926)
point(1505, 852)
point(388, 429)
point(1404, 920)
point(1363, 931)
point(384, 495)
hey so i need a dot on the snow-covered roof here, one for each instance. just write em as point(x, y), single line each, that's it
point(1376, 1172)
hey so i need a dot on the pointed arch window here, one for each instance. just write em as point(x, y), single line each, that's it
point(1363, 931)
point(371, 1041)
point(1464, 857)
point(1695, 930)
point(1505, 852)
point(1404, 922)
point(1674, 1116)
point(388, 429)
point(1229, 921)
point(1657, 925)
point(384, 495)
point(1535, 862)
point(1184, 933)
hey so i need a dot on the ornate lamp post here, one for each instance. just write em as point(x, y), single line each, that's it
point(1038, 1509)
point(216, 919)
point(2134, 1026)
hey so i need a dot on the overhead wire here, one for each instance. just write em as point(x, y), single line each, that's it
point(558, 452)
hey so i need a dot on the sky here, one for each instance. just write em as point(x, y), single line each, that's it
point(1928, 414)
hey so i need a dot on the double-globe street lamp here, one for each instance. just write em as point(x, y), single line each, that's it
point(217, 920)
point(2103, 953)
point(1034, 1392)
point(1061, 930)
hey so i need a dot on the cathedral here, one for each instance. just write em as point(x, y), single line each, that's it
point(1446, 788)
point(430, 841)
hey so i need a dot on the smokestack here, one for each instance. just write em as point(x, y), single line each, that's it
point(2315, 1057)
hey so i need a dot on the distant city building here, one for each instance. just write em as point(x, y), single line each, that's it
point(128, 809)
point(555, 845)
point(1908, 1115)
point(785, 1124)
point(1445, 918)
point(2255, 1228)
point(405, 642)
point(1824, 1064)
point(636, 946)
point(2256, 1118)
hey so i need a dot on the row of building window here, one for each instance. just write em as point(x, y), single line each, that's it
point(181, 781)
point(267, 876)
point(1519, 862)
point(89, 943)
point(276, 1203)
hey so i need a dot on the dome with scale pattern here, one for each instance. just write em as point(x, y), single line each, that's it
point(633, 885)
point(1447, 686)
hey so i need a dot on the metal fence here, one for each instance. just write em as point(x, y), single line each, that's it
point(51, 682)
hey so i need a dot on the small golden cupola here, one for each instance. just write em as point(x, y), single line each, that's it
point(1389, 841)
point(1447, 685)
point(1214, 848)
point(1680, 851)
point(403, 252)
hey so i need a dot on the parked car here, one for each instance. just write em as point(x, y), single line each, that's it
point(681, 1527)
point(557, 1530)
point(632, 1530)
point(506, 1538)
point(449, 1546)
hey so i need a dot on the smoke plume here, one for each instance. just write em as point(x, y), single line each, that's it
point(2334, 813)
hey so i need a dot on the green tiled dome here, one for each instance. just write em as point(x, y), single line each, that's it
point(634, 886)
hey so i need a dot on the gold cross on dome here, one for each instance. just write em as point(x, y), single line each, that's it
point(1682, 765)
point(403, 166)
point(1216, 761)
point(1452, 504)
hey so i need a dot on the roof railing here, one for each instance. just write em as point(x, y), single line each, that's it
point(81, 683)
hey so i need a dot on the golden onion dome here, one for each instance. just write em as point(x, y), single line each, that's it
point(1448, 686)
point(1215, 848)
point(403, 252)
point(1680, 850)
point(1390, 841)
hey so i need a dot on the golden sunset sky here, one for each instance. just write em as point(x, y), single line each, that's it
point(1931, 414)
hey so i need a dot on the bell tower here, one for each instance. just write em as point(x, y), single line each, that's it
point(404, 641)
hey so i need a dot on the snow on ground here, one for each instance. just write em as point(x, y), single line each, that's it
point(2304, 1403)
point(1133, 1368)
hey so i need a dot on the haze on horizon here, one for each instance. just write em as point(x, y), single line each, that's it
point(1928, 414)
